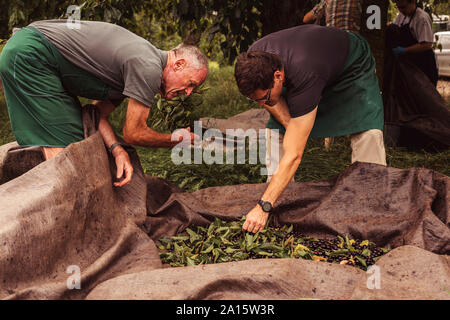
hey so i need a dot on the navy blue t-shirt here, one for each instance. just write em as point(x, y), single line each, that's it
point(312, 57)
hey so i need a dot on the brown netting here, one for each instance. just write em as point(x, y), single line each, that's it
point(65, 212)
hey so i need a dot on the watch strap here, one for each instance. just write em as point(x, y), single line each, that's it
point(263, 204)
point(115, 144)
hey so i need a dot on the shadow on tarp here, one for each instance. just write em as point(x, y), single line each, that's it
point(65, 212)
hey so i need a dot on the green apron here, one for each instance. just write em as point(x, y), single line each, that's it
point(352, 102)
point(41, 89)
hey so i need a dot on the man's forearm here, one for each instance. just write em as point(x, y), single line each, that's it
point(294, 144)
point(136, 131)
point(419, 47)
point(284, 174)
point(147, 137)
point(104, 127)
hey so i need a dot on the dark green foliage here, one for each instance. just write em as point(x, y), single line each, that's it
point(169, 115)
point(223, 241)
point(20, 13)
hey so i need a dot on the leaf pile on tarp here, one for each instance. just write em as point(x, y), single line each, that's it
point(225, 242)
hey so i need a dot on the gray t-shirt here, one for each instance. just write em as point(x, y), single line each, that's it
point(312, 57)
point(420, 25)
point(129, 64)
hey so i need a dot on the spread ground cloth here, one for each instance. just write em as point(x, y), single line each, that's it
point(65, 212)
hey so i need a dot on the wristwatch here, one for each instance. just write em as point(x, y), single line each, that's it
point(265, 205)
point(115, 144)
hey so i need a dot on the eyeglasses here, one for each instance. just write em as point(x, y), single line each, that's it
point(264, 99)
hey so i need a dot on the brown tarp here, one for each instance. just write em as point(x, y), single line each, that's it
point(65, 212)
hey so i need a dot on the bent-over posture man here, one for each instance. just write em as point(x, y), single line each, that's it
point(46, 65)
point(330, 90)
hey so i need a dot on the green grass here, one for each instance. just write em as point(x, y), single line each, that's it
point(223, 100)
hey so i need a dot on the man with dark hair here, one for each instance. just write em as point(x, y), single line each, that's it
point(316, 81)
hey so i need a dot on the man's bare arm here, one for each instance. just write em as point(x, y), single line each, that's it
point(294, 142)
point(297, 133)
point(419, 47)
point(136, 131)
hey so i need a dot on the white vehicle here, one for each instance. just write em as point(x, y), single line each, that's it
point(443, 56)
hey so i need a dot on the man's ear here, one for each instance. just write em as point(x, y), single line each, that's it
point(179, 65)
point(278, 75)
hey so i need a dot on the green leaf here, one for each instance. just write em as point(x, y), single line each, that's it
point(363, 261)
point(190, 262)
point(193, 236)
point(240, 256)
point(180, 238)
point(231, 250)
point(248, 240)
point(209, 249)
point(269, 246)
point(289, 230)
point(339, 252)
point(262, 252)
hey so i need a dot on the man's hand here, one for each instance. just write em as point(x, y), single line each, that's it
point(184, 137)
point(255, 220)
point(123, 165)
point(398, 51)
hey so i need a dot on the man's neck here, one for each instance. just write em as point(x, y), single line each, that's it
point(411, 10)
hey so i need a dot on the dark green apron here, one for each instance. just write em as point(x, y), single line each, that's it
point(352, 102)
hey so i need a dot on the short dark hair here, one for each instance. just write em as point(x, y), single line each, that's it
point(254, 70)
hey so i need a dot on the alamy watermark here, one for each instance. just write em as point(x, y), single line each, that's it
point(373, 21)
point(212, 145)
point(74, 16)
point(74, 280)
point(374, 280)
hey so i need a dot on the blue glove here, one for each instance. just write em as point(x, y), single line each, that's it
point(399, 51)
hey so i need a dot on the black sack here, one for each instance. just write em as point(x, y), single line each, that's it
point(415, 114)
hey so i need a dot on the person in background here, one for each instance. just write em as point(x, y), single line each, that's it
point(342, 14)
point(414, 37)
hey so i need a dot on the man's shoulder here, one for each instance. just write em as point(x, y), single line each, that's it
point(398, 19)
point(421, 15)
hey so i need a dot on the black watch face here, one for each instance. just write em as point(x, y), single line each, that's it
point(267, 207)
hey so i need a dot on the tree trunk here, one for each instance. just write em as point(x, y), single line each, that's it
point(376, 37)
point(278, 15)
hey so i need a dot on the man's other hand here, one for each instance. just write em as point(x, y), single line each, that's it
point(123, 165)
point(398, 51)
point(255, 220)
